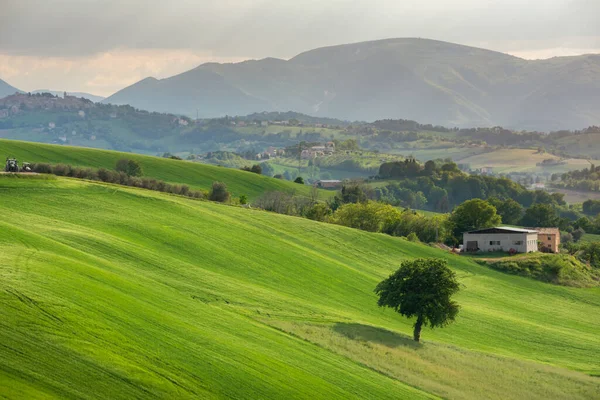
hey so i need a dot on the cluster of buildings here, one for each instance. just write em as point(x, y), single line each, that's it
point(318, 151)
point(508, 239)
point(270, 152)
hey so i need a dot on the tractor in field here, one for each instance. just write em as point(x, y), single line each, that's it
point(11, 165)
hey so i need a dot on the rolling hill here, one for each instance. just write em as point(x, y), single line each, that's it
point(6, 89)
point(197, 176)
point(427, 80)
point(114, 292)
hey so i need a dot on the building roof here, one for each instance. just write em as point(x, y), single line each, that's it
point(503, 229)
point(329, 181)
point(547, 231)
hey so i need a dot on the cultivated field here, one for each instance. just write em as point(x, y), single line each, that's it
point(520, 160)
point(197, 176)
point(114, 292)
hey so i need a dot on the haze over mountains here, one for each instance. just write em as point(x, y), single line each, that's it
point(426, 80)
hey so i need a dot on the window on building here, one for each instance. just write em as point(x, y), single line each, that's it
point(549, 237)
point(518, 242)
point(494, 243)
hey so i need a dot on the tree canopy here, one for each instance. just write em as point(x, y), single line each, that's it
point(421, 288)
point(472, 215)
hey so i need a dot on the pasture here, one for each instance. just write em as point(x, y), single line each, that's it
point(116, 292)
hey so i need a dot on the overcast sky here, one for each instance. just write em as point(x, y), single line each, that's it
point(100, 46)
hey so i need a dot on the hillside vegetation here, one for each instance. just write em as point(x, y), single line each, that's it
point(561, 269)
point(114, 292)
point(197, 176)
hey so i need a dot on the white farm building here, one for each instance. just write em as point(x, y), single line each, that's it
point(501, 239)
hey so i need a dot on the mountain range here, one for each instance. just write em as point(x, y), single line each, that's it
point(445, 83)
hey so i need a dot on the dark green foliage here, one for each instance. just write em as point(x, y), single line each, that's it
point(590, 253)
point(472, 215)
point(130, 167)
point(577, 234)
point(243, 199)
point(540, 215)
point(421, 288)
point(591, 207)
point(509, 210)
point(256, 168)
point(219, 192)
point(299, 180)
point(353, 192)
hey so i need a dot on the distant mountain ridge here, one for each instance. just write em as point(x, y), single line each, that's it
point(418, 79)
point(6, 89)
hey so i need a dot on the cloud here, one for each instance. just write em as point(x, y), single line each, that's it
point(281, 28)
point(101, 74)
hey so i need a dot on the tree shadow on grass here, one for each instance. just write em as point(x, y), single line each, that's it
point(373, 334)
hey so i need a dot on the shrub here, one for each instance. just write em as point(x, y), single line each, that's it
point(318, 212)
point(299, 180)
point(219, 192)
point(61, 169)
point(130, 167)
point(243, 199)
point(42, 168)
point(412, 237)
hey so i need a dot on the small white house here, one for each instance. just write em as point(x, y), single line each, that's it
point(501, 239)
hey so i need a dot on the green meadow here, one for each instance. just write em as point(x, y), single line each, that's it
point(197, 176)
point(120, 293)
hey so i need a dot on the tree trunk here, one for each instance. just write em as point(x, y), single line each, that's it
point(417, 331)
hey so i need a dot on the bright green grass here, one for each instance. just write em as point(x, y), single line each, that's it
point(112, 292)
point(197, 176)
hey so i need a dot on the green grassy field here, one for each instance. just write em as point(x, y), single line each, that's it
point(197, 176)
point(114, 292)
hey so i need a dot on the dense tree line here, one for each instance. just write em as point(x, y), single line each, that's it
point(440, 186)
point(587, 179)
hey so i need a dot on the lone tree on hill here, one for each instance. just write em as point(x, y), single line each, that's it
point(219, 192)
point(421, 288)
point(299, 180)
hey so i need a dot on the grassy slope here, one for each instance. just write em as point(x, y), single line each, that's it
point(119, 292)
point(199, 176)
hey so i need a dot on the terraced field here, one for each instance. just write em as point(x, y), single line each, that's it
point(197, 176)
point(114, 292)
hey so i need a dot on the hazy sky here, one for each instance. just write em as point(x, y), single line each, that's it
point(100, 46)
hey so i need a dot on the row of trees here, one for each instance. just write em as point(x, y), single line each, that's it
point(128, 173)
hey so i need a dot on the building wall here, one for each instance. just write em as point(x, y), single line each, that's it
point(550, 240)
point(489, 241)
